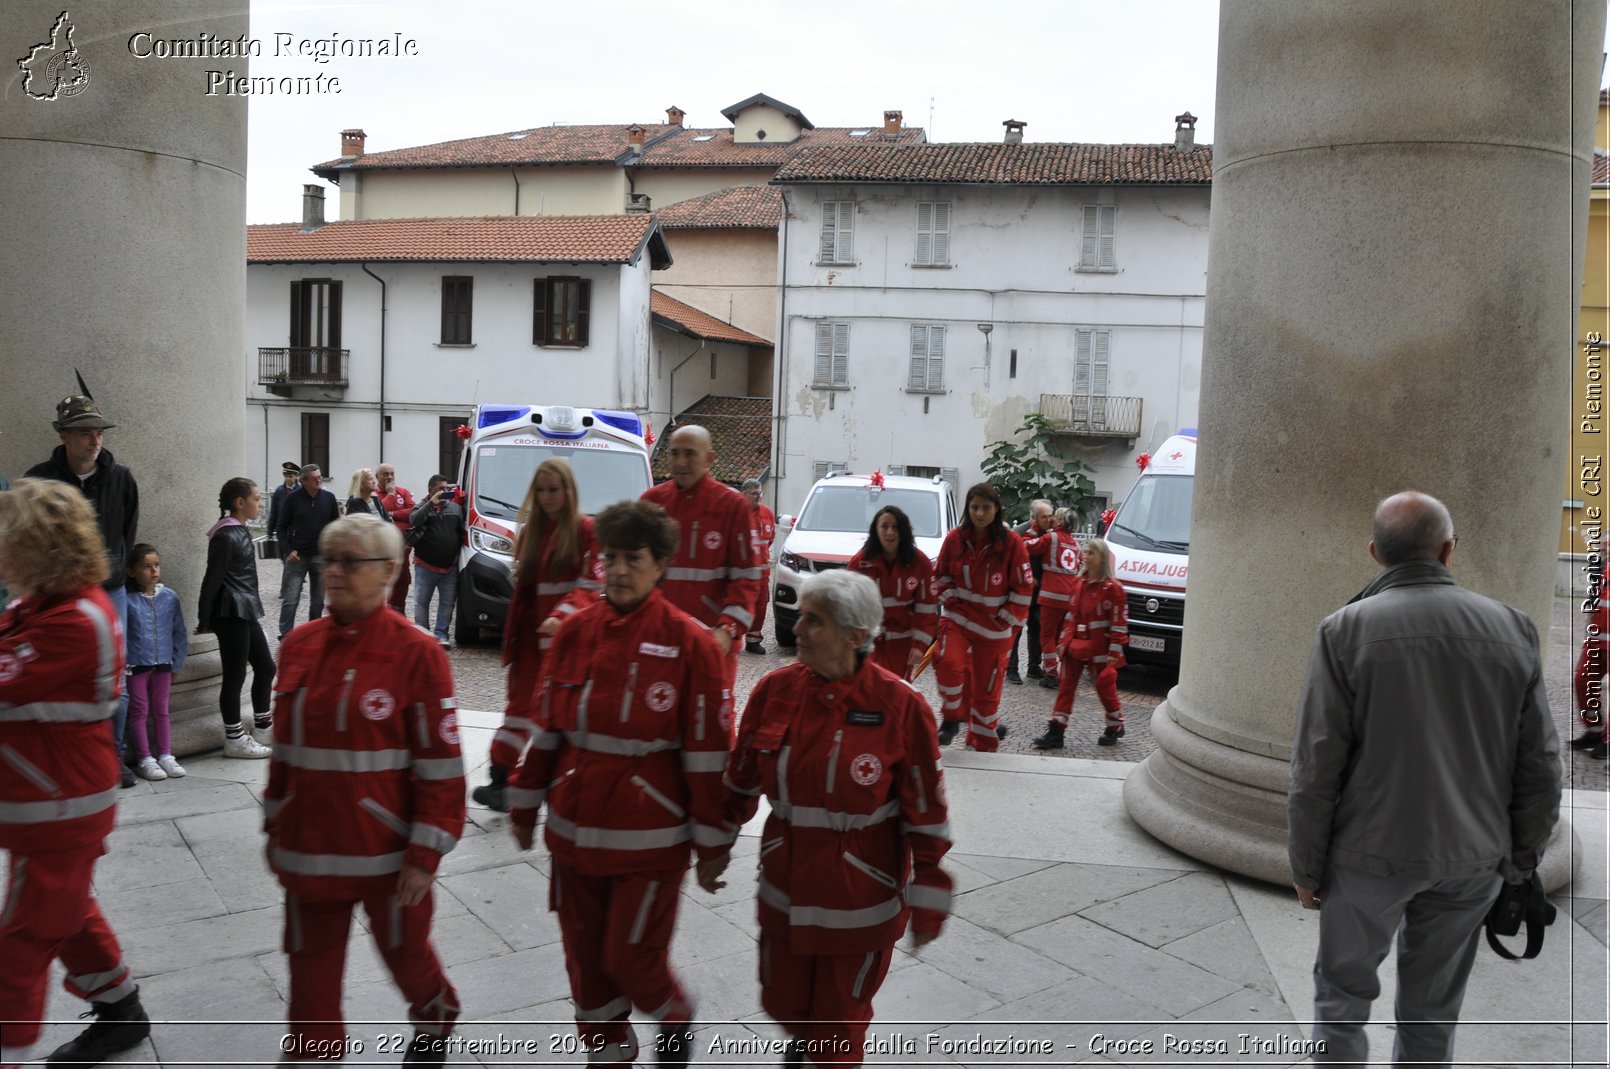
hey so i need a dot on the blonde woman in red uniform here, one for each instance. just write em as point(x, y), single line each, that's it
point(1061, 559)
point(904, 574)
point(1093, 637)
point(983, 583)
point(555, 573)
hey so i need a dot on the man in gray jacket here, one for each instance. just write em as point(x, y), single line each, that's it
point(1425, 769)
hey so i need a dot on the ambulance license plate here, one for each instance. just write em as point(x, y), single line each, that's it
point(1154, 643)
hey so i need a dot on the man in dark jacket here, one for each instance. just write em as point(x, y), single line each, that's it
point(292, 472)
point(82, 460)
point(1039, 522)
point(303, 516)
point(436, 556)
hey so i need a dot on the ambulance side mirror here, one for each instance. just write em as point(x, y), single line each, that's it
point(785, 521)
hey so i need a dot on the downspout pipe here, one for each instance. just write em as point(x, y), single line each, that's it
point(779, 373)
point(670, 396)
point(382, 282)
point(516, 176)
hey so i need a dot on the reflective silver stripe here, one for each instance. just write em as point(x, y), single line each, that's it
point(341, 706)
point(860, 977)
point(979, 629)
point(957, 689)
point(659, 796)
point(509, 738)
point(300, 864)
point(938, 831)
point(105, 649)
point(384, 815)
point(524, 797)
point(891, 635)
point(449, 703)
point(872, 871)
point(439, 768)
point(298, 704)
point(739, 613)
point(317, 759)
point(698, 717)
point(1018, 599)
point(745, 573)
point(990, 601)
point(616, 838)
point(610, 744)
point(916, 783)
point(660, 1012)
point(523, 724)
point(833, 758)
point(1097, 623)
point(704, 760)
point(546, 740)
point(422, 724)
point(772, 896)
point(60, 712)
point(1052, 595)
point(641, 920)
point(810, 816)
point(581, 707)
point(927, 606)
point(726, 781)
point(934, 898)
point(19, 874)
point(54, 809)
point(822, 917)
point(626, 698)
point(769, 845)
point(705, 835)
point(607, 1012)
point(923, 637)
point(695, 575)
point(782, 779)
point(94, 981)
point(893, 603)
point(432, 838)
point(30, 771)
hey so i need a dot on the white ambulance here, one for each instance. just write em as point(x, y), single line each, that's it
point(605, 449)
point(1151, 541)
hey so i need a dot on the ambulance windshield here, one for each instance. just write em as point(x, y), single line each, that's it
point(1157, 515)
point(849, 509)
point(603, 476)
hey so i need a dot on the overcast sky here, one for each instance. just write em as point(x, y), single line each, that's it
point(1074, 70)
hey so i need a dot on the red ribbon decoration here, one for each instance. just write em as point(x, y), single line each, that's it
point(1143, 461)
point(463, 431)
point(1107, 517)
point(877, 478)
point(648, 434)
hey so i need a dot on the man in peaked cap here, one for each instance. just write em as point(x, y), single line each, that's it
point(82, 460)
point(291, 473)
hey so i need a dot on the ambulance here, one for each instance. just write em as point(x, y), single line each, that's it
point(1151, 540)
point(605, 449)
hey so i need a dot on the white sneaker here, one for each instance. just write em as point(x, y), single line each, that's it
point(170, 764)
point(246, 748)
point(147, 768)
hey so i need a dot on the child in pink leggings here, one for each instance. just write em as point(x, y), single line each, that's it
point(154, 632)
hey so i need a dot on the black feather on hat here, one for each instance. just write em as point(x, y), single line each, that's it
point(78, 412)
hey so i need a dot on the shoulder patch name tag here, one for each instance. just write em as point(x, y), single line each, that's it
point(864, 717)
point(653, 650)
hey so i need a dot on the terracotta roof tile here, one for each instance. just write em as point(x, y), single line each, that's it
point(690, 320)
point(733, 208)
point(524, 238)
point(740, 431)
point(1030, 163)
point(1601, 168)
point(718, 149)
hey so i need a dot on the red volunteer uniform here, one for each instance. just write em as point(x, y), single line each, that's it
point(715, 575)
point(1058, 552)
point(61, 664)
point(536, 598)
point(1093, 636)
point(983, 588)
point(851, 849)
point(765, 522)
point(910, 614)
point(399, 505)
point(628, 753)
point(366, 777)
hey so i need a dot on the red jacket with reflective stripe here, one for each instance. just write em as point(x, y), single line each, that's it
point(858, 819)
point(765, 523)
point(984, 586)
point(61, 669)
point(631, 741)
point(715, 575)
point(539, 596)
point(366, 774)
point(1061, 560)
point(909, 610)
point(1098, 613)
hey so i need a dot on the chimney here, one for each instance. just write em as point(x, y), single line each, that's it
point(634, 138)
point(312, 208)
point(1184, 132)
point(1014, 131)
point(351, 144)
point(893, 123)
point(674, 115)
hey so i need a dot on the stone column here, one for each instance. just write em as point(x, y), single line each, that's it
point(124, 220)
point(1399, 211)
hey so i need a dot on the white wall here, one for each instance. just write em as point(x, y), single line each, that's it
point(1014, 253)
point(681, 373)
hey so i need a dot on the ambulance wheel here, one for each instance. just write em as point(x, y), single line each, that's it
point(466, 633)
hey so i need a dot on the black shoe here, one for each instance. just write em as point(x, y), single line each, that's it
point(129, 778)
point(1598, 753)
point(1035, 673)
point(1052, 739)
point(492, 795)
point(754, 647)
point(1013, 677)
point(948, 730)
point(119, 1026)
point(1002, 731)
point(1049, 682)
point(1110, 737)
point(426, 1050)
point(1587, 740)
point(675, 1045)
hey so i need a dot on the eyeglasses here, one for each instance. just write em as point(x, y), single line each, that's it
point(347, 564)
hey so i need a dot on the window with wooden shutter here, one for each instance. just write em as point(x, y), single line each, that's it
point(315, 329)
point(1091, 349)
point(838, 232)
point(933, 233)
point(449, 446)
point(927, 359)
point(457, 300)
point(316, 440)
point(1097, 249)
point(832, 355)
point(561, 312)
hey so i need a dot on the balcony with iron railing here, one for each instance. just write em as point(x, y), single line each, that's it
point(1092, 415)
point(301, 365)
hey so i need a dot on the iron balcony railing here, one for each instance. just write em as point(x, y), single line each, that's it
point(302, 365)
point(1092, 415)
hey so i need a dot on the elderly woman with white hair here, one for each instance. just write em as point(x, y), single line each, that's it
point(848, 756)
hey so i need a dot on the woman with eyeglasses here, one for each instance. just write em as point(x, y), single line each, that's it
point(365, 793)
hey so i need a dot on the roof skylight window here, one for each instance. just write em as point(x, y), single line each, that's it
point(859, 133)
point(704, 137)
point(517, 137)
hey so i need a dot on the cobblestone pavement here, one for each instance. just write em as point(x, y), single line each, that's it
point(1025, 709)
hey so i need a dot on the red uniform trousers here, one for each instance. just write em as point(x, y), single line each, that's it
point(969, 670)
point(398, 599)
point(49, 913)
point(1052, 614)
point(315, 945)
point(894, 654)
point(1588, 685)
point(617, 937)
point(823, 999)
point(525, 680)
point(757, 630)
point(1105, 677)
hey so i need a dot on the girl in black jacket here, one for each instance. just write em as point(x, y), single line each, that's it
point(230, 608)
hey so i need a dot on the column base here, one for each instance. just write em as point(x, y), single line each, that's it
point(1227, 807)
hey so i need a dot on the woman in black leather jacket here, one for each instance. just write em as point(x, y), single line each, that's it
point(230, 608)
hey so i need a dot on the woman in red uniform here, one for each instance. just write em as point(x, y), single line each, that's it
point(61, 665)
point(1060, 558)
point(904, 575)
point(983, 584)
point(847, 757)
point(628, 750)
point(365, 794)
point(1093, 637)
point(555, 573)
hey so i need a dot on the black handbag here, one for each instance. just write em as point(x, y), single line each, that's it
point(1519, 903)
point(269, 548)
point(415, 535)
